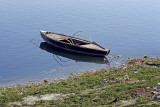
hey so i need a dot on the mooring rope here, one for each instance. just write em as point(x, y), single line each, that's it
point(33, 38)
point(61, 61)
point(33, 42)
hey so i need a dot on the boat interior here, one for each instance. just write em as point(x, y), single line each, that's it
point(72, 40)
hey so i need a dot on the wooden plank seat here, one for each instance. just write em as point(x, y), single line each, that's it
point(57, 37)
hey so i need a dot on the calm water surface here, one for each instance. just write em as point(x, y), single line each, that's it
point(130, 28)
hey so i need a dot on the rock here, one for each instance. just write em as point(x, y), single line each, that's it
point(130, 58)
point(128, 102)
point(45, 81)
point(154, 92)
point(152, 57)
point(125, 78)
point(155, 88)
point(156, 97)
point(105, 80)
point(115, 100)
point(145, 56)
point(158, 91)
point(125, 67)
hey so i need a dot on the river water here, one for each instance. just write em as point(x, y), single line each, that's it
point(130, 28)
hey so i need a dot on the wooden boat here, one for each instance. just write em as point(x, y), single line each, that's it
point(73, 56)
point(74, 44)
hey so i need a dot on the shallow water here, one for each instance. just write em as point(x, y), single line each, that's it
point(129, 28)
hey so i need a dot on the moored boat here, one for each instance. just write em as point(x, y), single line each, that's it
point(74, 44)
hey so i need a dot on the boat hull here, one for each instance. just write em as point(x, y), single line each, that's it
point(74, 48)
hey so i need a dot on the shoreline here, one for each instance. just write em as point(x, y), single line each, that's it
point(26, 80)
point(49, 80)
point(132, 83)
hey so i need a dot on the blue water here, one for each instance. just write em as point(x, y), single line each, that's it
point(130, 28)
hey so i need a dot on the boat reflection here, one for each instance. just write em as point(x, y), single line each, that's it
point(72, 56)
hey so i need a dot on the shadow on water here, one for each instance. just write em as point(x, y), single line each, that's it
point(71, 56)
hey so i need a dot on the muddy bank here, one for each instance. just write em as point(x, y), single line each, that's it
point(136, 82)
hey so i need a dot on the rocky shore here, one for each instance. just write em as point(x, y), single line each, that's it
point(135, 83)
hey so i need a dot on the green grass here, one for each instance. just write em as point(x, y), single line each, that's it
point(99, 92)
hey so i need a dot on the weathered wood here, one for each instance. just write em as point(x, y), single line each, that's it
point(74, 44)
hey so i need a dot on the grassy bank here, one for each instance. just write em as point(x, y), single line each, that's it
point(136, 83)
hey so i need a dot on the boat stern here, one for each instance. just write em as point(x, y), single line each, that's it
point(107, 51)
